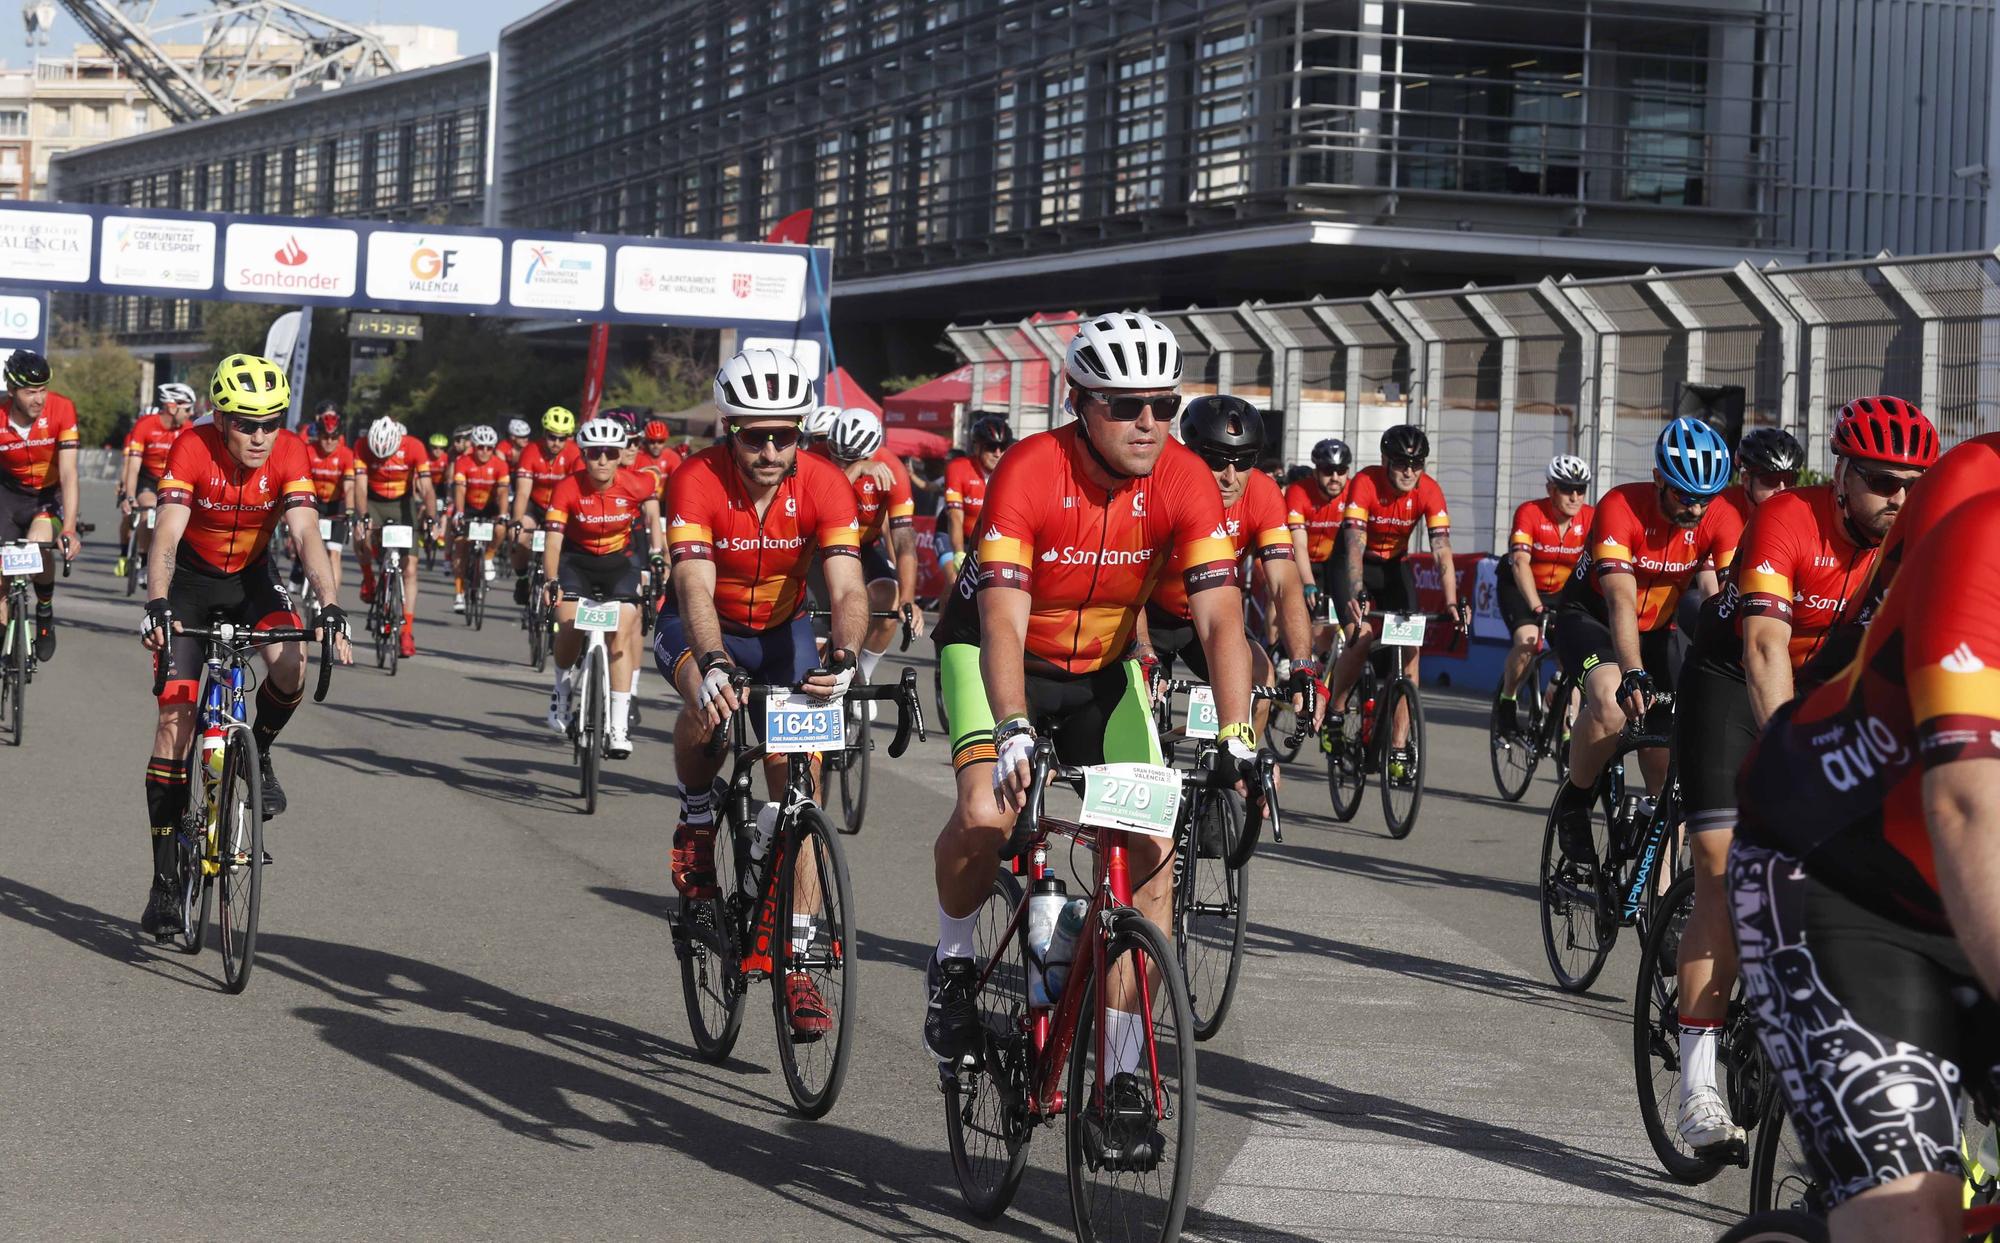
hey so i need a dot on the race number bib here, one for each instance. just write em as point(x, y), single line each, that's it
point(1403, 629)
point(395, 535)
point(794, 721)
point(539, 541)
point(598, 617)
point(479, 532)
point(1138, 798)
point(1203, 721)
point(21, 559)
point(326, 528)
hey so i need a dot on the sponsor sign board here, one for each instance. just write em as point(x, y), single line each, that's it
point(284, 259)
point(710, 284)
point(434, 267)
point(39, 246)
point(557, 276)
point(174, 254)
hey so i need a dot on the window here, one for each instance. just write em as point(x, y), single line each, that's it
point(1138, 146)
point(97, 121)
point(1065, 108)
point(1665, 121)
point(468, 163)
point(305, 180)
point(1006, 155)
point(347, 174)
point(59, 121)
point(424, 162)
point(387, 186)
point(1222, 113)
point(14, 122)
point(142, 117)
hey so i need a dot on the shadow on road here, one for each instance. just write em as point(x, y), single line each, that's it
point(1394, 871)
point(874, 946)
point(116, 939)
point(504, 788)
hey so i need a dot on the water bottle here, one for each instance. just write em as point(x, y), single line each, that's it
point(1045, 907)
point(214, 743)
point(760, 845)
point(1062, 946)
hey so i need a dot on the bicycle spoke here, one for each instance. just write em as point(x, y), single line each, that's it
point(813, 942)
point(986, 1120)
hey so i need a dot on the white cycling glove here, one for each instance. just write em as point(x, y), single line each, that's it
point(712, 684)
point(1016, 747)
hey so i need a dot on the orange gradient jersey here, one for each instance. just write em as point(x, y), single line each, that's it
point(149, 441)
point(330, 471)
point(1317, 512)
point(482, 480)
point(28, 454)
point(1090, 559)
point(389, 478)
point(539, 473)
point(1257, 524)
point(1388, 519)
point(598, 520)
point(1552, 542)
point(760, 562)
point(232, 510)
point(881, 509)
point(1796, 565)
point(1630, 535)
point(965, 491)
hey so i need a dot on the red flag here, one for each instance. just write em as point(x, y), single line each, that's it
point(795, 229)
point(593, 372)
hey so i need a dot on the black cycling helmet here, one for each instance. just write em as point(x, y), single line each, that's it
point(327, 407)
point(1771, 450)
point(991, 429)
point(1333, 454)
point(27, 369)
point(1220, 423)
point(1406, 440)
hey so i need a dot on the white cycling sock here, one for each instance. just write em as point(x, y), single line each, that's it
point(1124, 1040)
point(698, 808)
point(621, 710)
point(635, 679)
point(955, 935)
point(802, 932)
point(1697, 1056)
point(866, 662)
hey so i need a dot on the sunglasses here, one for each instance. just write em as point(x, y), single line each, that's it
point(755, 438)
point(250, 427)
point(997, 446)
point(1775, 478)
point(1881, 482)
point(1688, 500)
point(1128, 409)
point(599, 453)
point(1406, 463)
point(1219, 461)
point(1572, 489)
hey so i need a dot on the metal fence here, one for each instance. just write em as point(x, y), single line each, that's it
point(1505, 377)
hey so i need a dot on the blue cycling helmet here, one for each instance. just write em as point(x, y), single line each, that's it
point(1693, 457)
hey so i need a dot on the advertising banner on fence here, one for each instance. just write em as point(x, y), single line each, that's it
point(174, 254)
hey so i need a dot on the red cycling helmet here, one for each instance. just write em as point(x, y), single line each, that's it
point(328, 424)
point(657, 430)
point(1885, 429)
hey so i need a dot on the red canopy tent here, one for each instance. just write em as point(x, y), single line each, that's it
point(840, 389)
point(916, 442)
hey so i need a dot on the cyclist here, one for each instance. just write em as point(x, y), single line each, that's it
point(1802, 565)
point(659, 447)
point(1227, 434)
point(1313, 508)
point(393, 472)
point(441, 455)
point(817, 427)
point(1079, 525)
point(228, 485)
point(1542, 552)
point(1767, 463)
point(543, 464)
point(888, 517)
point(518, 432)
point(1383, 505)
point(590, 520)
point(332, 466)
point(1862, 886)
point(478, 491)
point(1614, 627)
point(145, 461)
point(747, 518)
point(38, 479)
point(965, 481)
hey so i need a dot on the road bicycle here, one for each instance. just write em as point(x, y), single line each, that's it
point(220, 842)
point(385, 612)
point(1358, 743)
point(589, 724)
point(1545, 705)
point(1584, 904)
point(1127, 1098)
point(852, 762)
point(131, 565)
point(19, 563)
point(785, 906)
point(478, 536)
point(536, 617)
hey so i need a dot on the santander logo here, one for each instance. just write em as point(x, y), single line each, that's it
point(291, 254)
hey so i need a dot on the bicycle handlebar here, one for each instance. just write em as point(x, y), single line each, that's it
point(1276, 694)
point(238, 639)
point(906, 614)
point(903, 692)
point(1042, 768)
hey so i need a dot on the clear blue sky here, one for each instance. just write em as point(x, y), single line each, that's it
point(478, 22)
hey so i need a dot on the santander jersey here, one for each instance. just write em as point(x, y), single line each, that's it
point(28, 454)
point(881, 510)
point(330, 471)
point(598, 520)
point(544, 472)
point(1089, 559)
point(1388, 519)
point(1630, 535)
point(1553, 542)
point(389, 478)
point(965, 491)
point(1256, 523)
point(1796, 564)
point(1317, 512)
point(149, 440)
point(760, 561)
point(232, 510)
point(481, 479)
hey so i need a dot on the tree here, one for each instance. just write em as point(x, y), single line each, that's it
point(101, 378)
point(676, 375)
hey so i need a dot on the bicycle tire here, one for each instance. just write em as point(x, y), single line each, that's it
point(1160, 1214)
point(1207, 939)
point(1656, 1036)
point(708, 942)
point(976, 1094)
point(1402, 821)
point(538, 626)
point(1562, 916)
point(1515, 757)
point(815, 1082)
point(392, 623)
point(1557, 724)
point(1347, 761)
point(23, 632)
point(1780, 1179)
point(132, 564)
point(854, 770)
point(1278, 727)
point(590, 718)
point(1777, 1227)
point(475, 596)
point(937, 697)
point(240, 839)
point(1249, 830)
point(190, 847)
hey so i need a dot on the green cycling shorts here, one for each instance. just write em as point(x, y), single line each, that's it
point(1093, 718)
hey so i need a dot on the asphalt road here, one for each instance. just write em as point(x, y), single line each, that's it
point(466, 1019)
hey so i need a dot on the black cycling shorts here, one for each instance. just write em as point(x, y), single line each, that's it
point(1582, 643)
point(1873, 1028)
point(1713, 734)
point(1176, 638)
point(250, 597)
point(399, 511)
point(876, 564)
point(1515, 611)
point(1391, 585)
point(147, 483)
point(610, 576)
point(18, 511)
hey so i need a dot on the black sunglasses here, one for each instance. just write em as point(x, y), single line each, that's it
point(1775, 478)
point(597, 453)
point(1406, 463)
point(1572, 489)
point(1128, 409)
point(1219, 461)
point(1881, 482)
point(991, 446)
point(251, 426)
point(754, 439)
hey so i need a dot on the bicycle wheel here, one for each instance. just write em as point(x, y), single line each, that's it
point(475, 594)
point(1576, 938)
point(937, 697)
point(590, 726)
point(1347, 759)
point(1566, 702)
point(538, 626)
point(1515, 755)
point(1656, 1058)
point(239, 834)
point(133, 563)
point(814, 940)
point(1129, 1171)
point(197, 885)
point(392, 622)
point(854, 769)
point(707, 943)
point(1278, 731)
point(1403, 795)
point(14, 696)
point(1779, 1227)
point(1781, 1180)
point(986, 1118)
point(1211, 913)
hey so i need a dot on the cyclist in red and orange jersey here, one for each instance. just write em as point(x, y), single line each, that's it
point(543, 464)
point(146, 448)
point(1080, 525)
point(332, 464)
point(1801, 568)
point(227, 486)
point(590, 519)
point(478, 493)
point(745, 520)
point(1314, 507)
point(888, 530)
point(1384, 505)
point(1541, 553)
point(38, 479)
point(392, 471)
point(965, 481)
point(659, 448)
point(515, 440)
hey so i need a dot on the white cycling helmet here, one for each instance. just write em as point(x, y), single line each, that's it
point(1128, 350)
point(1568, 468)
point(819, 424)
point(178, 394)
point(764, 384)
point(484, 437)
point(385, 436)
point(601, 434)
point(856, 435)
point(519, 429)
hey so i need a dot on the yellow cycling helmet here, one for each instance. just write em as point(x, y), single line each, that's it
point(250, 386)
point(558, 421)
